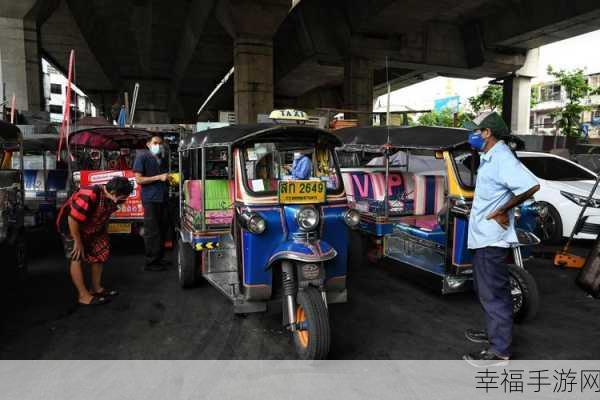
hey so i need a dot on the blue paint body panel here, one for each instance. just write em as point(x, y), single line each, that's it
point(258, 250)
point(461, 255)
point(376, 229)
point(437, 235)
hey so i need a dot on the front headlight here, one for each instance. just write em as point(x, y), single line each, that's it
point(253, 222)
point(307, 218)
point(352, 218)
point(581, 200)
point(257, 224)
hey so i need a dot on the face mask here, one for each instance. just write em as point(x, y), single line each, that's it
point(297, 155)
point(476, 141)
point(155, 149)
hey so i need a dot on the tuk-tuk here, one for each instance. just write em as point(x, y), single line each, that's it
point(12, 202)
point(43, 178)
point(98, 154)
point(258, 235)
point(414, 187)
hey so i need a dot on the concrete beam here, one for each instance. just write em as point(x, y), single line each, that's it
point(529, 24)
point(198, 14)
point(16, 8)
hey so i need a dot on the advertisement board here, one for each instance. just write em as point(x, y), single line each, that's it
point(132, 208)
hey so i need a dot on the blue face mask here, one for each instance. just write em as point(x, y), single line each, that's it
point(155, 149)
point(476, 141)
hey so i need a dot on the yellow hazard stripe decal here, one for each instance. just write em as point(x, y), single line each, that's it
point(206, 246)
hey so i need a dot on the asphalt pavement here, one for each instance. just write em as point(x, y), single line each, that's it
point(392, 313)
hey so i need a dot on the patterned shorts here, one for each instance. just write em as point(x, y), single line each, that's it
point(96, 247)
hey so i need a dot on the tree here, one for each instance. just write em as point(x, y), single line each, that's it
point(444, 117)
point(489, 100)
point(577, 88)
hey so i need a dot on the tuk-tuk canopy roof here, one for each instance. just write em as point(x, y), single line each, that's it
point(110, 138)
point(413, 137)
point(239, 134)
point(9, 135)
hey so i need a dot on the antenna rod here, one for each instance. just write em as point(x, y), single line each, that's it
point(216, 89)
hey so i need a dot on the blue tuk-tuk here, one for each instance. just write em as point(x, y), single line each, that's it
point(12, 203)
point(414, 187)
point(257, 234)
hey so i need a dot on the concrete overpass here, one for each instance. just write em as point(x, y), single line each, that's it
point(316, 54)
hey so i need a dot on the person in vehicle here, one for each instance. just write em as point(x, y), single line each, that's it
point(502, 184)
point(83, 223)
point(302, 166)
point(151, 174)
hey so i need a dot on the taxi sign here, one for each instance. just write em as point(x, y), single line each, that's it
point(288, 115)
point(301, 192)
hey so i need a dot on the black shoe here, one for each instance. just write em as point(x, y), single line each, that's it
point(485, 358)
point(477, 336)
point(155, 267)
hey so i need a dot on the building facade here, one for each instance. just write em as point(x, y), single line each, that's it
point(55, 93)
point(552, 97)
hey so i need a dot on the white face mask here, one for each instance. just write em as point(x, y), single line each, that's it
point(155, 149)
point(297, 155)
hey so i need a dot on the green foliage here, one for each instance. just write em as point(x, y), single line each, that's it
point(535, 95)
point(442, 118)
point(577, 88)
point(489, 100)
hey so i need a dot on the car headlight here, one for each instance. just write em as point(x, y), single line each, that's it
point(581, 200)
point(307, 218)
point(352, 218)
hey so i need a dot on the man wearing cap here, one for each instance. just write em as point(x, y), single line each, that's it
point(502, 184)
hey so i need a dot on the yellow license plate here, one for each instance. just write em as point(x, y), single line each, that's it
point(119, 228)
point(301, 192)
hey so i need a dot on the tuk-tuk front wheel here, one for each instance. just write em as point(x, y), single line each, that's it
point(313, 336)
point(187, 265)
point(525, 294)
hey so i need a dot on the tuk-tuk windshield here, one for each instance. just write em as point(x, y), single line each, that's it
point(268, 163)
point(466, 163)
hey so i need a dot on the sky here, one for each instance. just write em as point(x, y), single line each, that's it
point(577, 52)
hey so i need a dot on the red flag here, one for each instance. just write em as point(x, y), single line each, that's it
point(66, 121)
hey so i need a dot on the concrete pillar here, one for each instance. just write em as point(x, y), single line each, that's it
point(252, 24)
point(20, 63)
point(253, 77)
point(516, 107)
point(358, 88)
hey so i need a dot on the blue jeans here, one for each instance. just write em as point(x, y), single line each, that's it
point(491, 281)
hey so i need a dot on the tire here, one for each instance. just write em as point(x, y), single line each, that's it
point(187, 265)
point(526, 298)
point(312, 343)
point(551, 229)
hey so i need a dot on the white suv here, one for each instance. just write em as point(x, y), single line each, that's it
point(564, 188)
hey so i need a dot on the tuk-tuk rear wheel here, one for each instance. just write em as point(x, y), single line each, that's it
point(525, 294)
point(313, 341)
point(187, 265)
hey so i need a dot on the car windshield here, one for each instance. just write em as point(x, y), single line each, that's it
point(555, 169)
point(268, 163)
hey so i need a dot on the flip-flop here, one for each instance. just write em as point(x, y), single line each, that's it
point(106, 293)
point(96, 301)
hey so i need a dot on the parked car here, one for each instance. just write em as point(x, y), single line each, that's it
point(587, 155)
point(564, 187)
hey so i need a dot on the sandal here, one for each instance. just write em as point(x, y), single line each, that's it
point(96, 301)
point(106, 293)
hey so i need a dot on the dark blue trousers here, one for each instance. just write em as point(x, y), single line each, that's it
point(492, 285)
